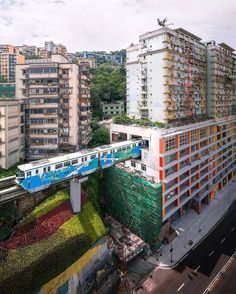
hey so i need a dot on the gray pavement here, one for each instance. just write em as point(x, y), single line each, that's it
point(191, 228)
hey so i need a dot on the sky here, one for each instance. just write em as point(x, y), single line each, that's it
point(111, 24)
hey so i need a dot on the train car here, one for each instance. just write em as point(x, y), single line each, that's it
point(39, 175)
point(117, 151)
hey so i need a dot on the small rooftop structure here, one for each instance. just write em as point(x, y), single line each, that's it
point(126, 244)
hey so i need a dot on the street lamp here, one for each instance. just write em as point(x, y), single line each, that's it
point(171, 250)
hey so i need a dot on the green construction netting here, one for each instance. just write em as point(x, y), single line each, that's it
point(7, 90)
point(134, 202)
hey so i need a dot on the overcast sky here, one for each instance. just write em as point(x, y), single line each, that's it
point(111, 24)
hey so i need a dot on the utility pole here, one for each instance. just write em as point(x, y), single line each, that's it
point(171, 250)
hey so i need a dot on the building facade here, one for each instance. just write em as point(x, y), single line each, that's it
point(110, 109)
point(12, 137)
point(174, 78)
point(167, 73)
point(54, 113)
point(192, 162)
point(8, 63)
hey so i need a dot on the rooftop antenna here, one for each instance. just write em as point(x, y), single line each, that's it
point(163, 22)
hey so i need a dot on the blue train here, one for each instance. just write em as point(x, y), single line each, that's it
point(39, 175)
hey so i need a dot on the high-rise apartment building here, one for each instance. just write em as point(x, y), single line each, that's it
point(189, 85)
point(9, 57)
point(221, 76)
point(167, 74)
point(12, 140)
point(56, 97)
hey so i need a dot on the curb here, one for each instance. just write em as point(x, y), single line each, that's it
point(191, 249)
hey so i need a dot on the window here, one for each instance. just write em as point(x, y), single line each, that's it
point(36, 171)
point(93, 156)
point(170, 143)
point(44, 169)
point(49, 168)
point(66, 163)
point(202, 132)
point(119, 149)
point(75, 161)
point(183, 139)
point(104, 153)
point(28, 174)
point(123, 148)
point(133, 163)
point(143, 167)
point(57, 166)
point(193, 135)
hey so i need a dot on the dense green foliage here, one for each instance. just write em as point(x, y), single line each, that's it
point(32, 56)
point(4, 173)
point(108, 84)
point(93, 188)
point(126, 120)
point(2, 79)
point(100, 137)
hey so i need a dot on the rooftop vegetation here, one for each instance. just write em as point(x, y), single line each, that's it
point(144, 122)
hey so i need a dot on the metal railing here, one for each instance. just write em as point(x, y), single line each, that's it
point(220, 275)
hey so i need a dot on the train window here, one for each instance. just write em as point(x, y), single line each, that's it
point(44, 169)
point(85, 159)
point(82, 159)
point(123, 148)
point(75, 161)
point(28, 174)
point(112, 151)
point(139, 144)
point(104, 153)
point(66, 163)
point(133, 145)
point(93, 156)
point(128, 147)
point(49, 168)
point(36, 171)
point(119, 149)
point(57, 166)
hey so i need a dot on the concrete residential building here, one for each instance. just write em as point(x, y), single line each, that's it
point(174, 78)
point(221, 74)
point(110, 109)
point(51, 91)
point(12, 137)
point(166, 76)
point(8, 63)
point(192, 162)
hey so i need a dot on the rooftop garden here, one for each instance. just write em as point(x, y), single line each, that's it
point(144, 122)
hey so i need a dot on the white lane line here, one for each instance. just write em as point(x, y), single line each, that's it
point(222, 240)
point(181, 287)
point(197, 268)
point(233, 228)
point(211, 253)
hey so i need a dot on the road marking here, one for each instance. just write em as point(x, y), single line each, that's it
point(181, 287)
point(232, 229)
point(222, 240)
point(211, 253)
point(197, 268)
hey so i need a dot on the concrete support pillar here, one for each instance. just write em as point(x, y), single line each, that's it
point(198, 207)
point(75, 193)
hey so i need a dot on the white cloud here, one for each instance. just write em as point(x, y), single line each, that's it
point(111, 24)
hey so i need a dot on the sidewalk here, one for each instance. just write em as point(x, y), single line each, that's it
point(192, 227)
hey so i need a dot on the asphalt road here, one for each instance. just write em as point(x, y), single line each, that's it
point(197, 270)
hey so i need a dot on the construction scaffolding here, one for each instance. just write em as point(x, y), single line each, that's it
point(134, 202)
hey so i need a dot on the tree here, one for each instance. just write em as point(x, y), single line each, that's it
point(108, 84)
point(100, 137)
point(2, 79)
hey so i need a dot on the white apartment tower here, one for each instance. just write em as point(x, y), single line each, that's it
point(166, 74)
